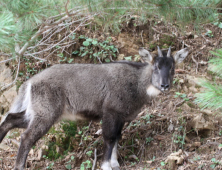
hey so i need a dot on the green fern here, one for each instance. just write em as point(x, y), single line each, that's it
point(7, 28)
point(211, 97)
point(215, 64)
point(26, 16)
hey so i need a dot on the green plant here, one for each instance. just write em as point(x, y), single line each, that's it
point(175, 80)
point(162, 163)
point(148, 140)
point(209, 33)
point(89, 153)
point(212, 94)
point(215, 163)
point(64, 59)
point(147, 118)
point(61, 144)
point(197, 158)
point(179, 138)
point(129, 58)
point(50, 166)
point(99, 51)
point(68, 164)
point(132, 163)
point(181, 95)
point(86, 165)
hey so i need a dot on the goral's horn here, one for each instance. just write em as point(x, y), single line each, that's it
point(169, 52)
point(160, 54)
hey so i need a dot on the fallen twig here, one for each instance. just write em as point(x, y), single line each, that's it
point(142, 37)
point(95, 159)
point(162, 32)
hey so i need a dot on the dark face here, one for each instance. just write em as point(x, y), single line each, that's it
point(163, 72)
point(163, 66)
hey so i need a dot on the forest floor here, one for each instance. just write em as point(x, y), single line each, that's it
point(170, 133)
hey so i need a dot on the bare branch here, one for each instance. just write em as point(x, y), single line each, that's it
point(12, 83)
point(4, 61)
point(4, 54)
point(94, 161)
point(67, 12)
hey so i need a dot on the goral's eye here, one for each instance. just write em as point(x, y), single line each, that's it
point(156, 67)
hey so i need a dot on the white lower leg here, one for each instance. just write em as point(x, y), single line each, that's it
point(106, 166)
point(114, 162)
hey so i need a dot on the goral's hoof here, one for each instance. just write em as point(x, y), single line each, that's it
point(116, 168)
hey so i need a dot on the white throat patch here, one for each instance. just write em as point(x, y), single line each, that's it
point(152, 91)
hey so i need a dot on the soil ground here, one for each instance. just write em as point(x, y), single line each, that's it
point(170, 133)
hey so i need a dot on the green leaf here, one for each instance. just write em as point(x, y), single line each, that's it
point(107, 60)
point(82, 167)
point(213, 166)
point(95, 42)
point(128, 58)
point(216, 23)
point(70, 60)
point(85, 53)
point(89, 39)
point(69, 166)
point(95, 54)
point(81, 37)
point(86, 43)
point(114, 50)
point(213, 159)
point(75, 52)
point(220, 25)
point(82, 48)
point(162, 163)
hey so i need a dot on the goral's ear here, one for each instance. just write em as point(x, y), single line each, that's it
point(146, 56)
point(181, 55)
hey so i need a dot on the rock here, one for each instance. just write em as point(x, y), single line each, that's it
point(31, 152)
point(7, 98)
point(208, 112)
point(170, 106)
point(15, 143)
point(4, 147)
point(186, 108)
point(133, 157)
point(99, 132)
point(132, 51)
point(200, 123)
point(5, 75)
point(185, 89)
point(195, 36)
point(170, 128)
point(120, 57)
point(181, 81)
point(180, 66)
point(174, 159)
point(45, 147)
point(40, 154)
point(193, 89)
point(192, 80)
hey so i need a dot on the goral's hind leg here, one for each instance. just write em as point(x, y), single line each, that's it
point(11, 121)
point(37, 128)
